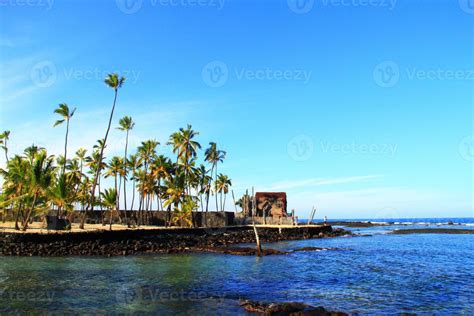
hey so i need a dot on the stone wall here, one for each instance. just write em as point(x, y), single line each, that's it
point(159, 218)
point(241, 220)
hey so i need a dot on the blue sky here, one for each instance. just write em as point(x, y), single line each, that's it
point(361, 108)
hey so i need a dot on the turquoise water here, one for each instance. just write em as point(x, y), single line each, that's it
point(377, 274)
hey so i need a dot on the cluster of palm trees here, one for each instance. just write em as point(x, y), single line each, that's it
point(35, 183)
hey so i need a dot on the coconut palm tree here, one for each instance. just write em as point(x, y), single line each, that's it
point(125, 124)
point(41, 175)
point(115, 169)
point(146, 188)
point(66, 114)
point(214, 156)
point(186, 147)
point(183, 214)
point(15, 185)
point(109, 201)
point(134, 162)
point(4, 137)
point(81, 155)
point(62, 194)
point(32, 151)
point(203, 183)
point(147, 152)
point(115, 82)
point(160, 169)
point(95, 164)
point(222, 186)
point(175, 191)
point(83, 193)
point(74, 172)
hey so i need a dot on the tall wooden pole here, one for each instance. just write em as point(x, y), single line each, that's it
point(235, 204)
point(259, 246)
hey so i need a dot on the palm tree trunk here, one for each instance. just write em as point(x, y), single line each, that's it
point(94, 184)
point(116, 200)
point(6, 150)
point(65, 145)
point(27, 217)
point(158, 195)
point(223, 207)
point(221, 200)
point(17, 217)
point(215, 181)
point(168, 217)
point(125, 180)
point(133, 195)
point(110, 219)
point(200, 201)
point(140, 210)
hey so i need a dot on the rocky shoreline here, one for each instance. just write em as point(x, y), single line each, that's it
point(288, 308)
point(137, 242)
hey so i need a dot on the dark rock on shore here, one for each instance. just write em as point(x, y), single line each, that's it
point(131, 242)
point(433, 231)
point(292, 308)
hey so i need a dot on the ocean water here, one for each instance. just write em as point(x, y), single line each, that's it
point(375, 274)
